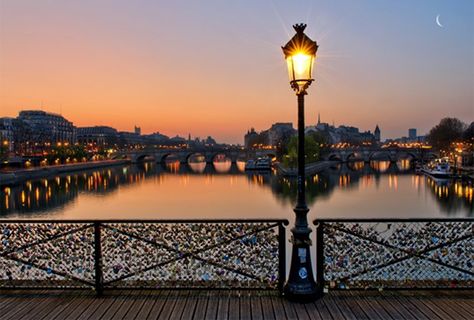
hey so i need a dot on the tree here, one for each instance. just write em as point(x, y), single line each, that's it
point(290, 159)
point(447, 131)
point(64, 152)
point(322, 139)
point(468, 134)
point(318, 137)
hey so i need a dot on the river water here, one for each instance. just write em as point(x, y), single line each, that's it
point(224, 191)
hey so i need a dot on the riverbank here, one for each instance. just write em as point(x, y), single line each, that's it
point(310, 169)
point(21, 175)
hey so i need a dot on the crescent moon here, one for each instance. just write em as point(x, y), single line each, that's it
point(437, 21)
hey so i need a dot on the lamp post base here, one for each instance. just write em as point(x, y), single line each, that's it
point(302, 293)
point(301, 286)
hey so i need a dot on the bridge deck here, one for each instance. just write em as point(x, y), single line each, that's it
point(183, 304)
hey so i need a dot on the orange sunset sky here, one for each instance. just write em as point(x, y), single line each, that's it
point(216, 67)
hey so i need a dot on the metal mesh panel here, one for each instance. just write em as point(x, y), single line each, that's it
point(145, 254)
point(46, 254)
point(218, 255)
point(398, 254)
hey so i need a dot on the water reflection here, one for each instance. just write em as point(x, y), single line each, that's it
point(404, 164)
point(356, 165)
point(222, 166)
point(197, 163)
point(381, 166)
point(197, 167)
point(452, 196)
point(378, 181)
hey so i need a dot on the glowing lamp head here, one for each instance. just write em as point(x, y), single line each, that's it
point(300, 53)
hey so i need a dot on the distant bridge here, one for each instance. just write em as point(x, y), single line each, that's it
point(183, 155)
point(234, 154)
point(388, 154)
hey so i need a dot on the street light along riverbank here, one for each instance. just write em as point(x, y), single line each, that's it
point(21, 175)
point(300, 53)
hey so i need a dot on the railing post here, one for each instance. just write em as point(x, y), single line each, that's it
point(320, 256)
point(99, 285)
point(281, 256)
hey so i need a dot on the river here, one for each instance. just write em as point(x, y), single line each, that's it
point(224, 191)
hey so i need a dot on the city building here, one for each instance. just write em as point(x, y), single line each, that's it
point(156, 137)
point(210, 141)
point(251, 138)
point(7, 133)
point(177, 139)
point(127, 139)
point(413, 137)
point(279, 132)
point(270, 138)
point(138, 130)
point(48, 127)
point(97, 135)
point(345, 134)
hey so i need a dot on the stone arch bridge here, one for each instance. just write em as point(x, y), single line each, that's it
point(183, 155)
point(388, 154)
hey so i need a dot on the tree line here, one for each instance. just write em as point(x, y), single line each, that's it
point(448, 131)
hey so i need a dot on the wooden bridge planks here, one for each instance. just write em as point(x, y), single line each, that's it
point(234, 304)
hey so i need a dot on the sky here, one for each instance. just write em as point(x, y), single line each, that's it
point(216, 68)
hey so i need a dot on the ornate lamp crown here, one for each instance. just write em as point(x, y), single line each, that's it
point(299, 27)
point(300, 42)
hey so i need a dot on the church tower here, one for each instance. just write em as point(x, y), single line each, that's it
point(377, 133)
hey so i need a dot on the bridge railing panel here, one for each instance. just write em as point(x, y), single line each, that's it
point(46, 254)
point(143, 254)
point(377, 254)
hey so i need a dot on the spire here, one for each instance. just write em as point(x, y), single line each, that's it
point(319, 118)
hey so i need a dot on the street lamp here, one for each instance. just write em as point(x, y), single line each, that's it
point(300, 53)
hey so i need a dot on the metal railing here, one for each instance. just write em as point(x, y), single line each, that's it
point(106, 254)
point(395, 253)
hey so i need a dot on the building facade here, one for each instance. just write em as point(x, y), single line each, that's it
point(278, 132)
point(251, 138)
point(49, 127)
point(98, 135)
point(412, 134)
point(344, 134)
point(7, 133)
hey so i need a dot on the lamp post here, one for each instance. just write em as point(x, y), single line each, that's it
point(300, 53)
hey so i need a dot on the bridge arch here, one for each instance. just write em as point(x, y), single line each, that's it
point(142, 156)
point(120, 156)
point(403, 155)
point(380, 155)
point(354, 157)
point(334, 157)
point(162, 158)
point(211, 157)
point(188, 156)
